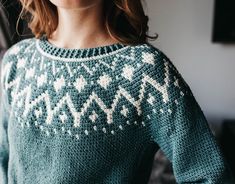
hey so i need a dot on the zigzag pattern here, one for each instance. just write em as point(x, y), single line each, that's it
point(102, 111)
point(90, 71)
point(121, 92)
point(5, 73)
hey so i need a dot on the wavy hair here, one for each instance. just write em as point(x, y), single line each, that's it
point(125, 20)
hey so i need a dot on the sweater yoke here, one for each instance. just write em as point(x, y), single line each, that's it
point(99, 115)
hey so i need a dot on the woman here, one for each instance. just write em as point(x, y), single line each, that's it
point(89, 100)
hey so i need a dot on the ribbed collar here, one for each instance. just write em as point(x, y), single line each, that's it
point(60, 53)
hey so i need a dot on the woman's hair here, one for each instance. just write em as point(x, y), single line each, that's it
point(125, 20)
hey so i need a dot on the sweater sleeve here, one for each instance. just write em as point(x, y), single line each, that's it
point(179, 127)
point(4, 115)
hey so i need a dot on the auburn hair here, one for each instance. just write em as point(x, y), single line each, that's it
point(125, 20)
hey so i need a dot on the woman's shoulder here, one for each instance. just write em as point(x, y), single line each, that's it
point(159, 71)
point(15, 52)
point(11, 56)
point(155, 60)
point(18, 48)
point(152, 56)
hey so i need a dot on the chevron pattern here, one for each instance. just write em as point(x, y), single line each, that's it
point(83, 82)
point(96, 114)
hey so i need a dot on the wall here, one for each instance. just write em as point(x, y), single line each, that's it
point(185, 29)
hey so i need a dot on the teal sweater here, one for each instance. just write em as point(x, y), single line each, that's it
point(98, 116)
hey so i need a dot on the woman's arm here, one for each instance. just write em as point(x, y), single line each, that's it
point(180, 128)
point(4, 115)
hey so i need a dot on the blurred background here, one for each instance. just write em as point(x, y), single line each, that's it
point(199, 37)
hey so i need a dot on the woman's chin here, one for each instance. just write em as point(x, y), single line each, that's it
point(75, 4)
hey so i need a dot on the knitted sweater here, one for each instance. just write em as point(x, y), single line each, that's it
point(98, 115)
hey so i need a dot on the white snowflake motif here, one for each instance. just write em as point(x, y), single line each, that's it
point(21, 63)
point(128, 72)
point(104, 81)
point(80, 83)
point(30, 73)
point(148, 58)
point(59, 83)
point(14, 50)
point(41, 80)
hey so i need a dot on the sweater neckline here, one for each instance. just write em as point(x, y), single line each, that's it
point(75, 54)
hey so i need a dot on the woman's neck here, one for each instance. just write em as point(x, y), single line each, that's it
point(81, 28)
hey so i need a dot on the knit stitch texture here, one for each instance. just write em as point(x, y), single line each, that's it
point(98, 116)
